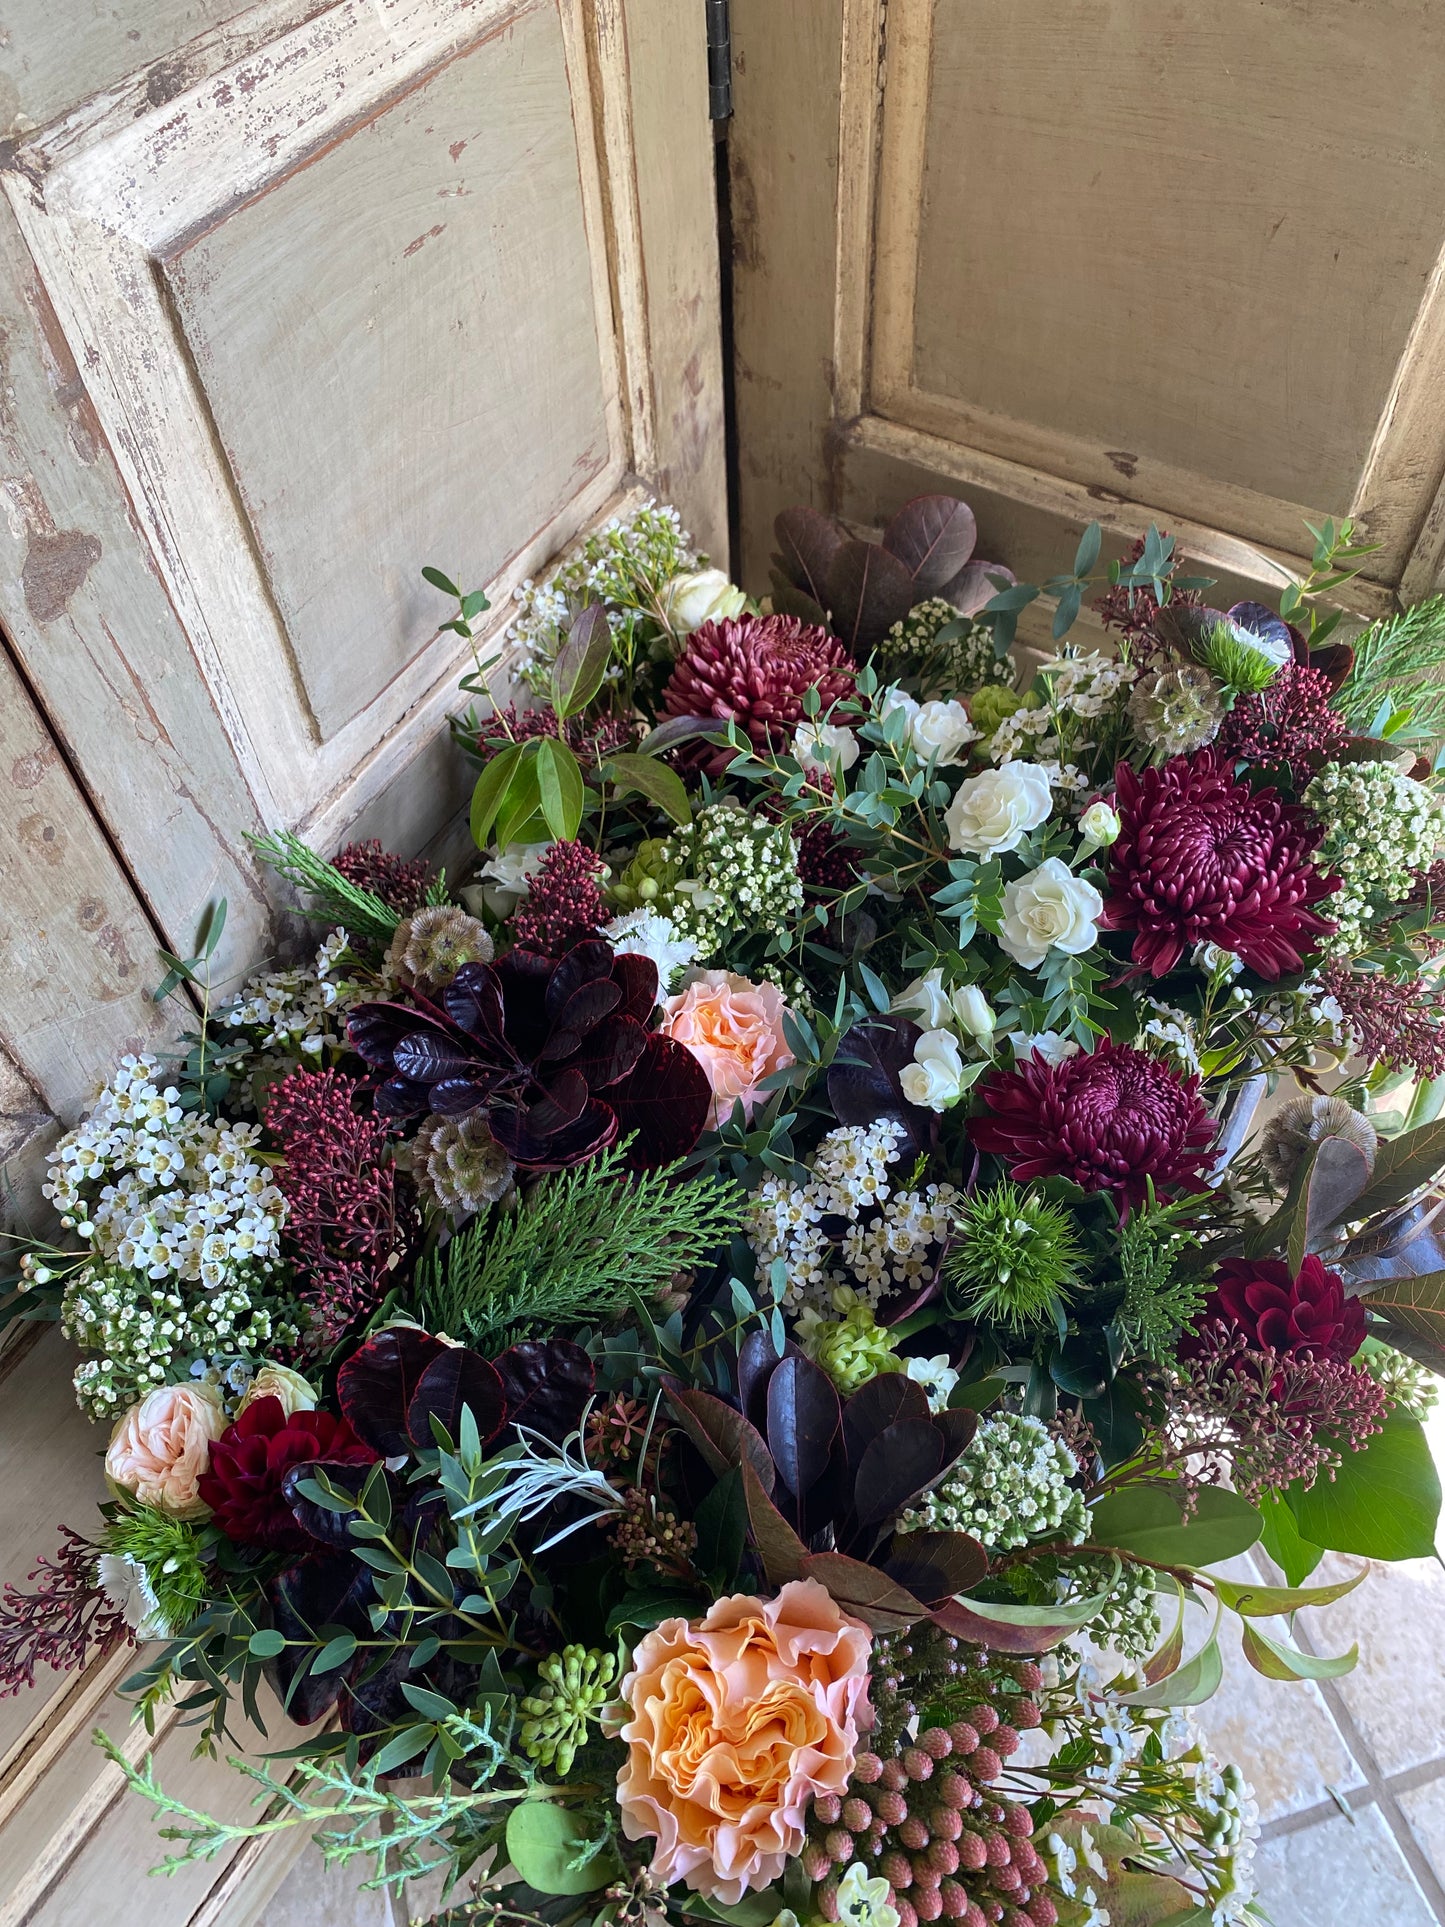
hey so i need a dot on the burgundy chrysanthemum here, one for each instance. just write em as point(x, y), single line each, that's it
point(400, 884)
point(1287, 729)
point(250, 1460)
point(564, 906)
point(1280, 1312)
point(1111, 1119)
point(1203, 859)
point(757, 670)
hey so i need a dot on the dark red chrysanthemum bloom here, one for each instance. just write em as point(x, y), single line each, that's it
point(564, 906)
point(1279, 1312)
point(1204, 859)
point(400, 884)
point(757, 670)
point(250, 1460)
point(1288, 729)
point(1111, 1119)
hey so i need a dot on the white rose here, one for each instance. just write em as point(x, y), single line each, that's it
point(825, 746)
point(1100, 826)
point(927, 996)
point(941, 730)
point(1049, 909)
point(1051, 1045)
point(994, 812)
point(973, 1012)
point(934, 1079)
point(509, 874)
point(896, 699)
point(279, 1381)
point(688, 601)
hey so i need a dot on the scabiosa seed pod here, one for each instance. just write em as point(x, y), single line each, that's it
point(1177, 709)
point(1201, 858)
point(757, 670)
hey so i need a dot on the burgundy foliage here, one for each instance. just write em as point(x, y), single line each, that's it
point(352, 1215)
point(1280, 1312)
point(400, 884)
point(249, 1463)
point(756, 670)
point(65, 1622)
point(555, 1054)
point(1202, 858)
point(1110, 1119)
point(865, 1079)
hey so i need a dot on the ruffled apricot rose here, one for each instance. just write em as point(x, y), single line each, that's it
point(738, 1721)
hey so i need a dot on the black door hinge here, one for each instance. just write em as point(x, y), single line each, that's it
point(719, 60)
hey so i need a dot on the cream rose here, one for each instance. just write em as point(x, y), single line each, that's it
point(926, 997)
point(941, 730)
point(1100, 826)
point(825, 746)
point(974, 1012)
point(705, 595)
point(162, 1446)
point(1049, 909)
point(737, 1723)
point(993, 813)
point(734, 1029)
point(278, 1381)
point(934, 1079)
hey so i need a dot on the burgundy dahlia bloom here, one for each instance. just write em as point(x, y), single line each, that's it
point(1110, 1119)
point(249, 1463)
point(1203, 859)
point(757, 670)
point(1279, 1312)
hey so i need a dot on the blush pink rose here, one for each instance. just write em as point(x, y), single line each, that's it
point(734, 1029)
point(162, 1446)
point(738, 1721)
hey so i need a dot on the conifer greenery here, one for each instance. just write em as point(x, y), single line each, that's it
point(1399, 666)
point(585, 1244)
point(328, 895)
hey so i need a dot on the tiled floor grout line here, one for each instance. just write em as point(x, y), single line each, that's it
point(1378, 1784)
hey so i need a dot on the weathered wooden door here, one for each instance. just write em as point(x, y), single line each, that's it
point(1096, 258)
point(292, 300)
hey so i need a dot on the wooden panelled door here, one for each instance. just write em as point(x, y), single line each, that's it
point(293, 299)
point(1133, 260)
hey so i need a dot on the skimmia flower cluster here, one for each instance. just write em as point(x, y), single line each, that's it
point(718, 1365)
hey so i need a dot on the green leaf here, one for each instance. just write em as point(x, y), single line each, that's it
point(1402, 1163)
point(649, 1609)
point(1194, 1682)
point(1067, 1617)
point(474, 603)
point(1383, 1503)
point(655, 780)
point(722, 1526)
point(1148, 1520)
point(1277, 1659)
point(1265, 1602)
point(334, 1653)
point(581, 661)
point(442, 582)
point(1087, 553)
point(522, 804)
point(1415, 1305)
point(544, 1841)
point(266, 1643)
point(559, 785)
point(213, 922)
point(1282, 1540)
point(491, 788)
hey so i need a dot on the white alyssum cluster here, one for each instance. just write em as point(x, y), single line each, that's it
point(283, 1018)
point(1382, 829)
point(1011, 1486)
point(890, 1240)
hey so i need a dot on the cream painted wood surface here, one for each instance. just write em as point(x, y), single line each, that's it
point(1096, 258)
point(294, 298)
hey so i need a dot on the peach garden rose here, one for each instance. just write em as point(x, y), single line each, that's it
point(737, 1722)
point(162, 1446)
point(734, 1028)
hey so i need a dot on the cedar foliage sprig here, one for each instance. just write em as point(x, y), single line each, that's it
point(582, 1246)
point(327, 895)
point(1399, 666)
point(1159, 1301)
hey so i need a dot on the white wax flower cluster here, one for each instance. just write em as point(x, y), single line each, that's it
point(891, 1238)
point(287, 1017)
point(1382, 829)
point(162, 1191)
point(1082, 687)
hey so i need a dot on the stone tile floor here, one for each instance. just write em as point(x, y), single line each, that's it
point(1349, 1773)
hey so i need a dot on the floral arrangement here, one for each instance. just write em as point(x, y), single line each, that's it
point(712, 1367)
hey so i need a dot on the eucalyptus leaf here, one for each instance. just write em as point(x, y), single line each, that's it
point(545, 1841)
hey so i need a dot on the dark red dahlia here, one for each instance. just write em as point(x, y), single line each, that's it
point(250, 1460)
point(1290, 728)
point(564, 906)
point(1111, 1119)
point(1279, 1312)
point(757, 670)
point(1204, 859)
